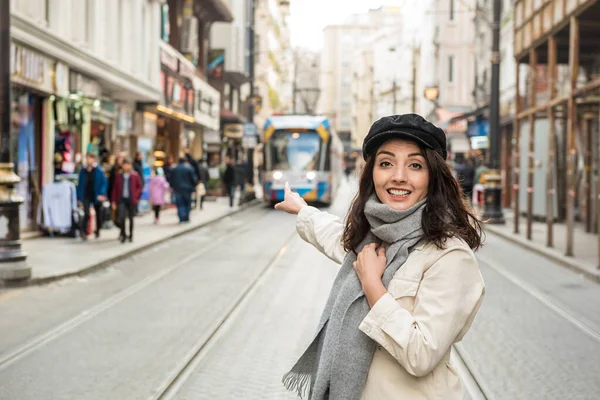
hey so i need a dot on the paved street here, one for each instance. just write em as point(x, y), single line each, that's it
point(222, 312)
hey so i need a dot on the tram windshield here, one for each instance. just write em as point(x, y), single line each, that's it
point(295, 151)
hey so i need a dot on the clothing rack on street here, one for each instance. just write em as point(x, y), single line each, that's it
point(58, 212)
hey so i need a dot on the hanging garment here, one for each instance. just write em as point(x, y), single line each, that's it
point(59, 202)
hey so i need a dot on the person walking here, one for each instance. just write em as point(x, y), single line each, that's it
point(157, 189)
point(203, 177)
point(138, 166)
point(465, 173)
point(183, 182)
point(409, 286)
point(229, 180)
point(125, 197)
point(91, 191)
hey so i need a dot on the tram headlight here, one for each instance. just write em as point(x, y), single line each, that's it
point(311, 175)
point(277, 175)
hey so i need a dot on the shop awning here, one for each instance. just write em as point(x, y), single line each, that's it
point(474, 113)
point(214, 10)
point(236, 78)
point(228, 117)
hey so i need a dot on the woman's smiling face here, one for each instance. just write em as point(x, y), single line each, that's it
point(400, 174)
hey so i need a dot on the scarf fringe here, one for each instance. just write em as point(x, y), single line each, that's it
point(297, 382)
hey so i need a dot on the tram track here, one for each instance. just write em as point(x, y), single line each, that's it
point(52, 334)
point(170, 387)
point(581, 323)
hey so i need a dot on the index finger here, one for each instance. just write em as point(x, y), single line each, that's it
point(286, 187)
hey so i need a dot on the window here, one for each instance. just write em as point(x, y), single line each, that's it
point(451, 10)
point(450, 69)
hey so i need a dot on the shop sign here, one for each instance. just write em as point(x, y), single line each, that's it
point(216, 64)
point(179, 94)
point(480, 142)
point(87, 87)
point(27, 65)
point(211, 137)
point(250, 139)
point(145, 124)
point(124, 121)
point(208, 101)
point(233, 131)
point(60, 79)
point(168, 59)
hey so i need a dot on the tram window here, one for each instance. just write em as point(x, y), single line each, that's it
point(294, 151)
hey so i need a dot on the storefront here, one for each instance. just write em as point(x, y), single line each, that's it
point(36, 81)
point(175, 123)
point(206, 113)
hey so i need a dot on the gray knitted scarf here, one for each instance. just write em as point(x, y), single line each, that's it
point(336, 363)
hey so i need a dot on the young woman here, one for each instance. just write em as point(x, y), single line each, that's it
point(157, 188)
point(409, 286)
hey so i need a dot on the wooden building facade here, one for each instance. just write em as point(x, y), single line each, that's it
point(557, 52)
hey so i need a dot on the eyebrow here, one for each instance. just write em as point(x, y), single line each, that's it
point(389, 153)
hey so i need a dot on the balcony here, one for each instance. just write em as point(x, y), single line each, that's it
point(536, 20)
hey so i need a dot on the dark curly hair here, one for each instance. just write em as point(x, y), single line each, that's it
point(446, 214)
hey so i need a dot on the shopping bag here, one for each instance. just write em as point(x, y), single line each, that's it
point(200, 190)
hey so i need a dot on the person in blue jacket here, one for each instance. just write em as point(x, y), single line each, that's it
point(91, 190)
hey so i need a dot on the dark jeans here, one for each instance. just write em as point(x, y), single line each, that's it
point(231, 193)
point(156, 211)
point(201, 202)
point(184, 205)
point(87, 203)
point(126, 211)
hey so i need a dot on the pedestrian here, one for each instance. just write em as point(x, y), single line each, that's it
point(203, 177)
point(126, 196)
point(157, 188)
point(91, 191)
point(409, 286)
point(241, 175)
point(229, 180)
point(183, 182)
point(194, 164)
point(465, 173)
point(112, 175)
point(138, 166)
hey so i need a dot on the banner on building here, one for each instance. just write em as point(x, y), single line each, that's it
point(216, 64)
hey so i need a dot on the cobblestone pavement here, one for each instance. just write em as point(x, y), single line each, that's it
point(528, 346)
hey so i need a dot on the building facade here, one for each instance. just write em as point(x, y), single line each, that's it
point(273, 60)
point(78, 70)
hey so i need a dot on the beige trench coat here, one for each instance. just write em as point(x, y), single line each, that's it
point(430, 305)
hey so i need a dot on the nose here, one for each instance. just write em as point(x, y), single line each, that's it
point(399, 175)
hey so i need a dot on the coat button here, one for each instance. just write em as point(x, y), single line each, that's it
point(378, 347)
point(368, 330)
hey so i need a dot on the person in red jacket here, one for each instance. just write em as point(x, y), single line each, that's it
point(125, 196)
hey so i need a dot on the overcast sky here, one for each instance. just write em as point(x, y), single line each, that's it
point(309, 17)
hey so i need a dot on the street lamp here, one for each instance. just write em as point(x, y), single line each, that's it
point(492, 212)
point(12, 257)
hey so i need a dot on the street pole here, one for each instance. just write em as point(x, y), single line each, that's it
point(295, 83)
point(251, 22)
point(414, 79)
point(12, 257)
point(493, 189)
point(394, 96)
point(251, 50)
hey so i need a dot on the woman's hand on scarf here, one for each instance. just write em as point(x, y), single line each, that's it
point(369, 266)
point(292, 201)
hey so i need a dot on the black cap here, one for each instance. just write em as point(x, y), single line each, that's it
point(408, 126)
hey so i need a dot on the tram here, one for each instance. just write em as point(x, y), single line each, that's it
point(304, 151)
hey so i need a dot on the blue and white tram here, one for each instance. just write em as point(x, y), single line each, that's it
point(304, 151)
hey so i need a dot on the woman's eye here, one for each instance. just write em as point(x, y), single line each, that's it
point(416, 165)
point(384, 164)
